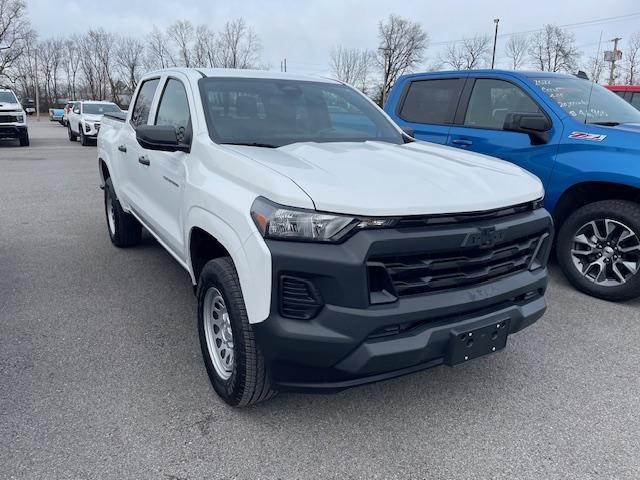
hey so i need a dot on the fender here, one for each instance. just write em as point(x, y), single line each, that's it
point(250, 256)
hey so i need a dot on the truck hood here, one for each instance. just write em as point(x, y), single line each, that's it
point(382, 179)
point(628, 127)
point(87, 117)
point(10, 107)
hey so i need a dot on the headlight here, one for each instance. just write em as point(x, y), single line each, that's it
point(87, 127)
point(287, 223)
point(20, 118)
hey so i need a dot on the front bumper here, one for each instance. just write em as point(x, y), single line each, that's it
point(351, 341)
point(12, 131)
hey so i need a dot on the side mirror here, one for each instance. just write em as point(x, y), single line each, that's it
point(408, 131)
point(160, 137)
point(536, 125)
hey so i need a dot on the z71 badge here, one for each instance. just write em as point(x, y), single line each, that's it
point(594, 137)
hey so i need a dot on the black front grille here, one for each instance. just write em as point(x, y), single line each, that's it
point(8, 118)
point(299, 298)
point(429, 272)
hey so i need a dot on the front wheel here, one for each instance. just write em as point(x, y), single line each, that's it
point(72, 136)
point(235, 365)
point(24, 140)
point(598, 249)
point(84, 141)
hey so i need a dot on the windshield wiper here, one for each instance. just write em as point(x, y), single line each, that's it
point(605, 124)
point(251, 144)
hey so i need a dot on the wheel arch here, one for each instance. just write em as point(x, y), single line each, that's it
point(210, 237)
point(583, 193)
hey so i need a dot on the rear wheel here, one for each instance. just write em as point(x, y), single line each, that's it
point(235, 365)
point(72, 136)
point(598, 249)
point(124, 229)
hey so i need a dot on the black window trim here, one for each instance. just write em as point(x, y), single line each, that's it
point(164, 87)
point(466, 95)
point(405, 91)
point(133, 104)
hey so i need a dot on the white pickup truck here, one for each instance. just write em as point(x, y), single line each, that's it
point(13, 119)
point(327, 248)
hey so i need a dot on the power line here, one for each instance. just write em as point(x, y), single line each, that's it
point(586, 23)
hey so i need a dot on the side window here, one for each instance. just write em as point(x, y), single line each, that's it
point(635, 100)
point(141, 108)
point(491, 100)
point(174, 109)
point(432, 101)
point(76, 108)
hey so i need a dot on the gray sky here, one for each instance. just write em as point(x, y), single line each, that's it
point(304, 31)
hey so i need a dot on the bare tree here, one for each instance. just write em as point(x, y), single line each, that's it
point(158, 53)
point(631, 64)
point(50, 63)
point(595, 67)
point(181, 33)
point(516, 51)
point(401, 47)
point(129, 60)
point(554, 50)
point(72, 64)
point(15, 31)
point(204, 47)
point(352, 66)
point(237, 46)
point(469, 54)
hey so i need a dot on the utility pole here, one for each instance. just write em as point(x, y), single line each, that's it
point(495, 41)
point(614, 58)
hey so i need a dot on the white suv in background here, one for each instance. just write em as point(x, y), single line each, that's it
point(13, 119)
point(84, 119)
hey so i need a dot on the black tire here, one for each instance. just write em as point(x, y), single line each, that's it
point(84, 141)
point(24, 140)
point(72, 136)
point(249, 381)
point(124, 230)
point(625, 212)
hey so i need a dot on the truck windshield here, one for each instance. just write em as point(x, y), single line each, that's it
point(588, 102)
point(99, 108)
point(274, 113)
point(7, 97)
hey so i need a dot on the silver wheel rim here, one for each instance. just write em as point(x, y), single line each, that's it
point(606, 252)
point(111, 216)
point(218, 333)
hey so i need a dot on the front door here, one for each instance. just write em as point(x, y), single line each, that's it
point(481, 129)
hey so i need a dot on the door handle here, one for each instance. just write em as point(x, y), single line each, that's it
point(144, 160)
point(122, 148)
point(463, 142)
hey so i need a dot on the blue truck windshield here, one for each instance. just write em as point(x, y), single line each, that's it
point(588, 102)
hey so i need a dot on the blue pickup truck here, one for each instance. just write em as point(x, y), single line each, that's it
point(580, 139)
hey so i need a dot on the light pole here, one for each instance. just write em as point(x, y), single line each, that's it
point(495, 40)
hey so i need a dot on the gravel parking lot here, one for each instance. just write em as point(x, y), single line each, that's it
point(101, 374)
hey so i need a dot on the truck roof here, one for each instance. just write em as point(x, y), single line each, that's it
point(514, 73)
point(244, 73)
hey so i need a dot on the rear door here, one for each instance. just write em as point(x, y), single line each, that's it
point(134, 172)
point(480, 119)
point(428, 106)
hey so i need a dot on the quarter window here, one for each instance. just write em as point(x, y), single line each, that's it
point(140, 114)
point(635, 100)
point(174, 109)
point(432, 101)
point(491, 100)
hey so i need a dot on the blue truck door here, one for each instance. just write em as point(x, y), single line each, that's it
point(428, 106)
point(480, 119)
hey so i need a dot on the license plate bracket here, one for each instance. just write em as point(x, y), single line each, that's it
point(467, 344)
